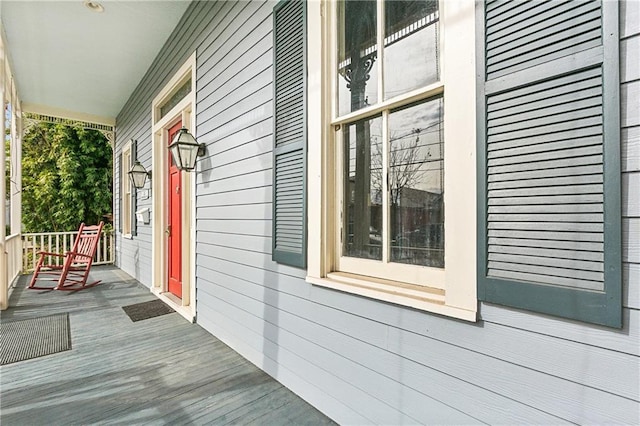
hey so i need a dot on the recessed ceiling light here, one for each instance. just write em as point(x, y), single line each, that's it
point(94, 6)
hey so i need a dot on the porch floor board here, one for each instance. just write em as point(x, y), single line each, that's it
point(162, 370)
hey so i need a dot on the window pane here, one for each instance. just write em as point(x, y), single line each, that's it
point(362, 230)
point(416, 184)
point(410, 45)
point(357, 52)
point(183, 91)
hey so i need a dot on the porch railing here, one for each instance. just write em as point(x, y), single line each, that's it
point(61, 242)
point(14, 263)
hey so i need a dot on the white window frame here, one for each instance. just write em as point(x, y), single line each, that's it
point(450, 291)
point(127, 193)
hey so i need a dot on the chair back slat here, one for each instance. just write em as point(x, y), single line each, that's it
point(85, 245)
point(87, 240)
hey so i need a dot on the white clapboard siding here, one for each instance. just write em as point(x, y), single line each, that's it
point(630, 158)
point(348, 319)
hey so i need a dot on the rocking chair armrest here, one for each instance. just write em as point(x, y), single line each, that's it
point(48, 253)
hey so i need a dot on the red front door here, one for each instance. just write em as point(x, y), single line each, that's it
point(174, 231)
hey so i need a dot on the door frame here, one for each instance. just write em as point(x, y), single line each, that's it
point(185, 111)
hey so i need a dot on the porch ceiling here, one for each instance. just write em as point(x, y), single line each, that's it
point(71, 61)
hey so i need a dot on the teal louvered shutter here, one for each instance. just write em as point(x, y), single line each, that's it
point(549, 172)
point(290, 134)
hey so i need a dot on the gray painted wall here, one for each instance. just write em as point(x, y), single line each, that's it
point(359, 360)
point(630, 118)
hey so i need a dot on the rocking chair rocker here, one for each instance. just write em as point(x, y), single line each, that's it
point(74, 272)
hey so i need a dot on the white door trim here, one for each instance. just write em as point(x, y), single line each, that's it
point(185, 111)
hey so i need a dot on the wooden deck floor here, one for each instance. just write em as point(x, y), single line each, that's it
point(162, 370)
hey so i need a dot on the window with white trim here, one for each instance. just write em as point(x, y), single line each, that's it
point(127, 204)
point(396, 188)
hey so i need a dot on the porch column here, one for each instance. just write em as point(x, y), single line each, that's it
point(4, 276)
point(15, 189)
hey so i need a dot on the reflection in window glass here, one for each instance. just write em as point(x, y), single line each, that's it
point(362, 231)
point(411, 45)
point(416, 184)
point(357, 81)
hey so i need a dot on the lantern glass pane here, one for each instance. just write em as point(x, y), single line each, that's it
point(138, 175)
point(138, 179)
point(175, 155)
point(188, 155)
point(187, 137)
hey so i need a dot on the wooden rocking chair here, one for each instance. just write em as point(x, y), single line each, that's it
point(74, 271)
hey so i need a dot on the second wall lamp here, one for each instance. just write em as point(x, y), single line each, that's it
point(138, 175)
point(184, 149)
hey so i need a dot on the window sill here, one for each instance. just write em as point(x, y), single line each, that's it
point(127, 236)
point(418, 297)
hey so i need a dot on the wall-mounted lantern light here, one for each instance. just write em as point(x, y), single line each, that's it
point(138, 175)
point(184, 150)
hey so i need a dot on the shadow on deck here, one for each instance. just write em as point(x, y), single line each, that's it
point(162, 370)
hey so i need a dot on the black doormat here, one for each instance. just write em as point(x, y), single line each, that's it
point(146, 310)
point(34, 337)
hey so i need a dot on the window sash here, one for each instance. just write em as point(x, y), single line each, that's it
point(385, 269)
point(429, 91)
point(413, 274)
point(426, 91)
